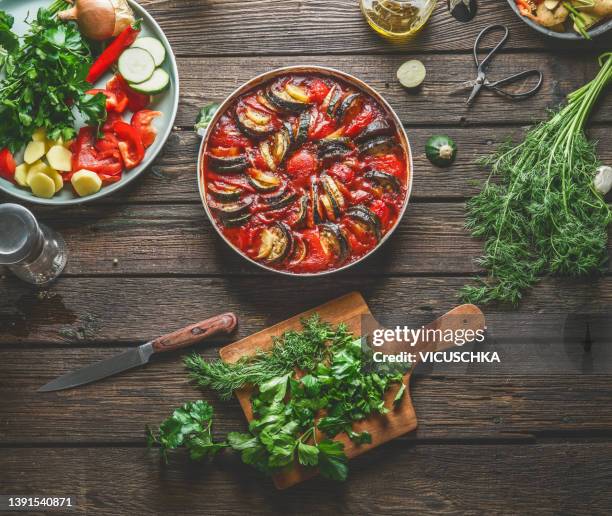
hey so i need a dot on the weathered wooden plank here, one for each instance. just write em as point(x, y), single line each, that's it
point(493, 404)
point(179, 239)
point(128, 310)
point(396, 479)
point(212, 79)
point(226, 27)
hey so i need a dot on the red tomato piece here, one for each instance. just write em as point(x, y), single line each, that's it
point(342, 172)
point(226, 134)
point(389, 163)
point(142, 122)
point(86, 156)
point(321, 127)
point(136, 101)
point(116, 101)
point(130, 144)
point(383, 211)
point(7, 165)
point(302, 164)
point(360, 121)
point(318, 90)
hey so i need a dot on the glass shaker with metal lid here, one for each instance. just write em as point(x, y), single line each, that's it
point(33, 252)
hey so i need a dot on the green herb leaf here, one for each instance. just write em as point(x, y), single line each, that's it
point(333, 463)
point(205, 116)
point(308, 455)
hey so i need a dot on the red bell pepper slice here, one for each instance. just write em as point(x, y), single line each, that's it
point(112, 52)
point(130, 144)
point(86, 156)
point(136, 101)
point(116, 101)
point(142, 122)
point(7, 165)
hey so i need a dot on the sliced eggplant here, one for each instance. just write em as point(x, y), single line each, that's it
point(333, 192)
point(302, 211)
point(237, 221)
point(263, 100)
point(281, 142)
point(317, 213)
point(266, 154)
point(347, 103)
point(231, 210)
point(333, 241)
point(276, 243)
point(301, 132)
point(330, 102)
point(377, 145)
point(228, 165)
point(253, 123)
point(367, 219)
point(224, 192)
point(280, 97)
point(297, 93)
point(388, 181)
point(335, 148)
point(281, 202)
point(263, 181)
point(331, 208)
point(379, 127)
point(300, 251)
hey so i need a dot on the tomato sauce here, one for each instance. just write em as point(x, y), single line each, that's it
point(305, 174)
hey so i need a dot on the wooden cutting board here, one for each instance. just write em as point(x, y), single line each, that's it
point(350, 309)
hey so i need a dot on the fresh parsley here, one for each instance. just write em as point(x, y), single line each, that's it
point(189, 426)
point(45, 82)
point(296, 416)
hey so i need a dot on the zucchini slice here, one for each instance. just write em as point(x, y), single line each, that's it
point(159, 82)
point(136, 65)
point(154, 47)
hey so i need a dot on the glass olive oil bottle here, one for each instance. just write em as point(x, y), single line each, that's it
point(397, 19)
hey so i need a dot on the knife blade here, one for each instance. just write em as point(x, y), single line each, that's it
point(223, 324)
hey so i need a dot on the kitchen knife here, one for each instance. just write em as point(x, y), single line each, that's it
point(219, 325)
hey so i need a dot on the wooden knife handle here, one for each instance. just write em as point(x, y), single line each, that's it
point(223, 324)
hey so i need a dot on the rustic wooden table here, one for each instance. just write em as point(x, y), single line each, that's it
point(147, 261)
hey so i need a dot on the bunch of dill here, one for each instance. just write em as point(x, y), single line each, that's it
point(539, 213)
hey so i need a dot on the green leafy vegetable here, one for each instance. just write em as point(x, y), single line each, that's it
point(543, 216)
point(189, 426)
point(205, 116)
point(45, 84)
point(291, 413)
point(8, 40)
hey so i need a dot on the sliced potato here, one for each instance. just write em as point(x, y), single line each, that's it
point(42, 185)
point(60, 158)
point(40, 135)
point(21, 174)
point(57, 178)
point(38, 167)
point(34, 151)
point(86, 182)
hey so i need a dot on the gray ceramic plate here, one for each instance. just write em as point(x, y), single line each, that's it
point(166, 102)
point(569, 34)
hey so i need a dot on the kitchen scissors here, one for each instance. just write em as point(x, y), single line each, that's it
point(481, 80)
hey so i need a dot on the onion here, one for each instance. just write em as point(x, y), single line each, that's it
point(100, 19)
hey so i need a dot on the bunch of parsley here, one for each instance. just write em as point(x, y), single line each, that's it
point(45, 81)
point(296, 417)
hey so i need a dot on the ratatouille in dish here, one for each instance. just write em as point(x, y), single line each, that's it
point(305, 174)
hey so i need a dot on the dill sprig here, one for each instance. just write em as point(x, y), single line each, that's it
point(294, 349)
point(542, 215)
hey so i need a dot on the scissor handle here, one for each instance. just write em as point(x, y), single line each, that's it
point(513, 78)
point(481, 65)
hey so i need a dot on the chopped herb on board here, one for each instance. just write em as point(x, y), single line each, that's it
point(295, 419)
